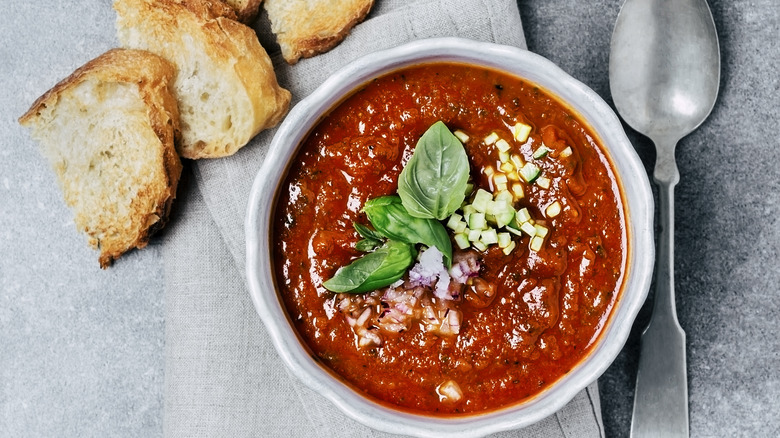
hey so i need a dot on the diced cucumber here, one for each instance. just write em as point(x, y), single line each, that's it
point(452, 223)
point(566, 152)
point(490, 218)
point(462, 241)
point(504, 239)
point(528, 228)
point(504, 219)
point(491, 138)
point(503, 212)
point(509, 248)
point(500, 181)
point(462, 136)
point(502, 145)
point(541, 152)
point(489, 236)
point(504, 196)
point(517, 160)
point(499, 206)
point(530, 172)
point(521, 131)
point(477, 221)
point(481, 200)
point(536, 243)
point(517, 190)
point(522, 216)
point(514, 230)
point(503, 157)
point(490, 207)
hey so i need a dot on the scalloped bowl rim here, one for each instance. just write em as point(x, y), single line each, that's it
point(637, 199)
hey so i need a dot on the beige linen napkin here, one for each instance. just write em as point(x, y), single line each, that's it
point(223, 377)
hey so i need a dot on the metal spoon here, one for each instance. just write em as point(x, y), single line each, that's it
point(664, 71)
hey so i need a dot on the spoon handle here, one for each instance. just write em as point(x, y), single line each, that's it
point(661, 398)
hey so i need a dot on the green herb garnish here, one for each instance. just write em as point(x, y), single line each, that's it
point(374, 270)
point(432, 185)
point(371, 239)
point(390, 218)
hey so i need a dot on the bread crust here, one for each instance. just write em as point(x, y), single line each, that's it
point(150, 208)
point(187, 32)
point(246, 10)
point(305, 28)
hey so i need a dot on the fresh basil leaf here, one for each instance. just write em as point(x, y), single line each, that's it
point(374, 270)
point(390, 218)
point(367, 245)
point(371, 239)
point(367, 233)
point(433, 182)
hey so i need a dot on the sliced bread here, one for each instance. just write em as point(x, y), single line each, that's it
point(225, 84)
point(305, 28)
point(108, 131)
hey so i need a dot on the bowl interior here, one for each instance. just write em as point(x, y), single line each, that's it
point(637, 199)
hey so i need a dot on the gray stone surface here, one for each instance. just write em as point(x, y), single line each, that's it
point(81, 349)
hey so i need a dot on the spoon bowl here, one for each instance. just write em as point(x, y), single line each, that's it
point(664, 68)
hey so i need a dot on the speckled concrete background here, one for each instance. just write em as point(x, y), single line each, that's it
point(81, 350)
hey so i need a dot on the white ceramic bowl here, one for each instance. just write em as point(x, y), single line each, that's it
point(637, 200)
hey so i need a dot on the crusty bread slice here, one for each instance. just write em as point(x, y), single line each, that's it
point(108, 131)
point(305, 28)
point(225, 84)
point(246, 10)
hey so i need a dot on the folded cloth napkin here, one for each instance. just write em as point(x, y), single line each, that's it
point(222, 375)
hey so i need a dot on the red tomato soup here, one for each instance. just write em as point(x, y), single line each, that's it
point(525, 310)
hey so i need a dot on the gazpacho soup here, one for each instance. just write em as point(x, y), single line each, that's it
point(450, 239)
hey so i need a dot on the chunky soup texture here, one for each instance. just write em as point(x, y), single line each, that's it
point(531, 316)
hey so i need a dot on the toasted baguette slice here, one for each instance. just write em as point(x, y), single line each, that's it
point(108, 131)
point(305, 28)
point(225, 85)
point(246, 10)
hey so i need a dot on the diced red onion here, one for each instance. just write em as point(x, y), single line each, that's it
point(424, 297)
point(428, 269)
point(364, 317)
point(465, 265)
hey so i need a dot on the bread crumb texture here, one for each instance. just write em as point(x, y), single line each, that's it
point(108, 130)
point(225, 84)
point(305, 28)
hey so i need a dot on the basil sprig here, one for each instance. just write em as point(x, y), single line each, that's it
point(388, 215)
point(431, 187)
point(374, 270)
point(433, 182)
point(370, 238)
